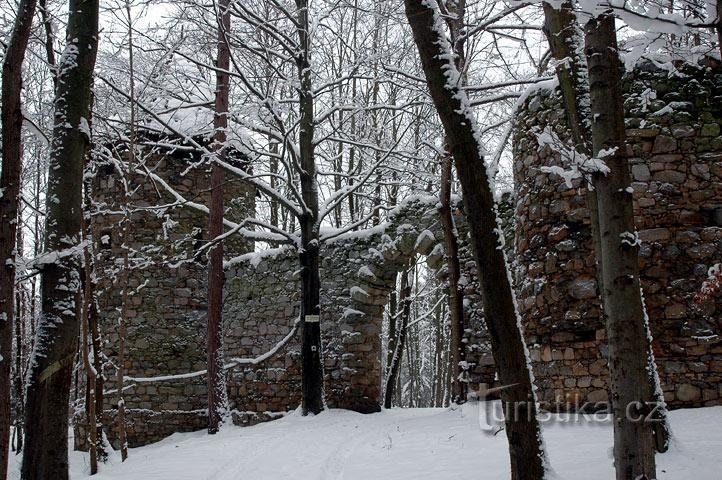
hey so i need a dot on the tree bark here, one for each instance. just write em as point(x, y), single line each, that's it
point(565, 39)
point(400, 343)
point(217, 404)
point(12, 153)
point(311, 366)
point(48, 390)
point(623, 309)
point(503, 323)
point(456, 295)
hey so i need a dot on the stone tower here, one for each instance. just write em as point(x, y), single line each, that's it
point(675, 149)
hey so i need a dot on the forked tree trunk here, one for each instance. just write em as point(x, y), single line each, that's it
point(503, 323)
point(217, 400)
point(400, 340)
point(566, 41)
point(48, 389)
point(311, 366)
point(456, 294)
point(12, 152)
point(634, 445)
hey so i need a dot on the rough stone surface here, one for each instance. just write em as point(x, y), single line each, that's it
point(676, 169)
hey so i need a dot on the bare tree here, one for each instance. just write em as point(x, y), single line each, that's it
point(399, 339)
point(12, 153)
point(634, 445)
point(217, 402)
point(503, 322)
point(49, 378)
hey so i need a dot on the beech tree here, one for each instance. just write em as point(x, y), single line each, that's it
point(49, 378)
point(503, 321)
point(588, 94)
point(634, 446)
point(12, 153)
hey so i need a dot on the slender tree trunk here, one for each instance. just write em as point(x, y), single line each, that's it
point(217, 404)
point(311, 365)
point(90, 373)
point(48, 389)
point(90, 334)
point(456, 295)
point(634, 445)
point(10, 183)
point(21, 302)
point(400, 344)
point(718, 27)
point(503, 321)
point(392, 334)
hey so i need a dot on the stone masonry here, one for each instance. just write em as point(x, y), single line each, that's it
point(675, 150)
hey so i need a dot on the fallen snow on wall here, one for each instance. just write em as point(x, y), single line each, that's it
point(398, 444)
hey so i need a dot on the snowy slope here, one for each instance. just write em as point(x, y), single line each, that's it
point(400, 444)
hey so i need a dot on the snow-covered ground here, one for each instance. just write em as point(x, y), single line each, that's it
point(400, 444)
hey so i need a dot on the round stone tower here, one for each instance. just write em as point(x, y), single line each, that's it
point(674, 113)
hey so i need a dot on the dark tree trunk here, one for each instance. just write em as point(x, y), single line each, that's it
point(311, 366)
point(392, 334)
point(456, 295)
point(12, 153)
point(400, 343)
point(634, 445)
point(503, 323)
point(48, 390)
point(90, 373)
point(216, 384)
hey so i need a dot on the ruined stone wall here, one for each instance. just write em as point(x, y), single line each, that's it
point(675, 150)
point(358, 271)
point(166, 321)
point(166, 315)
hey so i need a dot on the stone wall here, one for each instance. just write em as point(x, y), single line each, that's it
point(675, 150)
point(166, 322)
point(166, 315)
point(358, 271)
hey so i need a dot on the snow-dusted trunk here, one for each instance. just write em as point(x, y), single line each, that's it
point(217, 399)
point(718, 26)
point(311, 366)
point(49, 377)
point(522, 427)
point(399, 342)
point(566, 41)
point(456, 295)
point(91, 374)
point(12, 120)
point(392, 313)
point(634, 445)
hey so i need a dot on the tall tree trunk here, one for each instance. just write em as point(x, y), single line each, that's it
point(392, 333)
point(456, 295)
point(90, 373)
point(217, 401)
point(566, 41)
point(12, 159)
point(503, 322)
point(623, 309)
point(48, 390)
point(400, 343)
point(311, 366)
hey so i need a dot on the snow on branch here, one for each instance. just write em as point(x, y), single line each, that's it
point(234, 362)
point(580, 165)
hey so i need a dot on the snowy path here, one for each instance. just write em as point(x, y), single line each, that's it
point(399, 445)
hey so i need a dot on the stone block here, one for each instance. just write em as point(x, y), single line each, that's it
point(688, 393)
